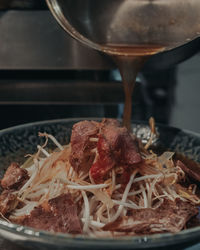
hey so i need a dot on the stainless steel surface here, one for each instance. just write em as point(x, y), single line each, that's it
point(128, 22)
point(33, 40)
point(37, 42)
point(128, 30)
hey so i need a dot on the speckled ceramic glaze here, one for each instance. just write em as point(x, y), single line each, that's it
point(18, 141)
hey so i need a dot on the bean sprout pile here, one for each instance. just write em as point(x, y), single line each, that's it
point(158, 178)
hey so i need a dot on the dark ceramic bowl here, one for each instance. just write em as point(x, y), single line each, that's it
point(17, 141)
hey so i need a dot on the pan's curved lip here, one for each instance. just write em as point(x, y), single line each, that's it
point(22, 233)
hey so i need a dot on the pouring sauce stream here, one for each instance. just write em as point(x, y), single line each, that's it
point(130, 59)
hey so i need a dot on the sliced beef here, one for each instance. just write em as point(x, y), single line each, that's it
point(83, 139)
point(14, 177)
point(109, 122)
point(122, 145)
point(192, 168)
point(57, 215)
point(123, 174)
point(81, 145)
point(105, 161)
point(169, 217)
point(8, 201)
point(116, 147)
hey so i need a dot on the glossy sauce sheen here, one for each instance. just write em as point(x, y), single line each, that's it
point(130, 59)
point(133, 50)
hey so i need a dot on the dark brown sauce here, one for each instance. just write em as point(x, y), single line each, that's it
point(130, 59)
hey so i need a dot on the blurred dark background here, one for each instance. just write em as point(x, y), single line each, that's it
point(22, 4)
